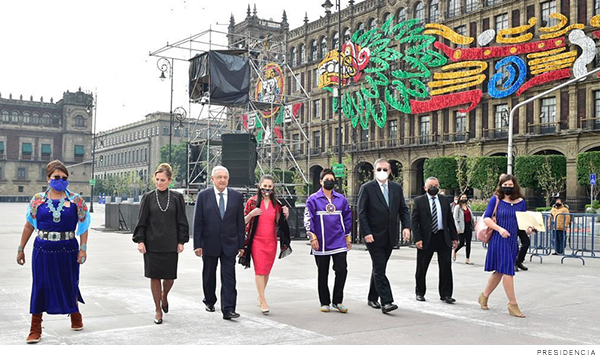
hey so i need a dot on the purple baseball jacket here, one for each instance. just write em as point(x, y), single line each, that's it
point(330, 228)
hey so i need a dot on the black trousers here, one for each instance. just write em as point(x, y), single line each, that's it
point(340, 267)
point(209, 281)
point(465, 239)
point(380, 286)
point(436, 244)
point(525, 242)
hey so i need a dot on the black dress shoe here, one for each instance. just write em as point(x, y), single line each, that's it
point(448, 299)
point(209, 308)
point(374, 304)
point(516, 268)
point(420, 297)
point(522, 267)
point(388, 307)
point(228, 315)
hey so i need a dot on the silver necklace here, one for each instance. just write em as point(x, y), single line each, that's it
point(168, 200)
point(55, 211)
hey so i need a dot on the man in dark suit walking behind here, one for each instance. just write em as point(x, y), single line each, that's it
point(380, 205)
point(433, 231)
point(219, 236)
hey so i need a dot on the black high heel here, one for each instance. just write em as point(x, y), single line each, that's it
point(158, 321)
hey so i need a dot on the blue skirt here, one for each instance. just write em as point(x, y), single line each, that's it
point(55, 288)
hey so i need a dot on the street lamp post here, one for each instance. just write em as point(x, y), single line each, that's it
point(328, 5)
point(179, 116)
point(164, 65)
point(91, 106)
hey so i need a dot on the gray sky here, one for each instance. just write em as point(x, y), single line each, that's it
point(49, 47)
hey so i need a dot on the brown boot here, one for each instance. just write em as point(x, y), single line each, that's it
point(35, 334)
point(76, 321)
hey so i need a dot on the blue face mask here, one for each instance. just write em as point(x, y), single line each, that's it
point(59, 185)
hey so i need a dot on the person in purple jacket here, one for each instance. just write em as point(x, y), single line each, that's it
point(328, 223)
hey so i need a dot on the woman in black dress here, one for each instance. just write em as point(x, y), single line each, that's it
point(161, 231)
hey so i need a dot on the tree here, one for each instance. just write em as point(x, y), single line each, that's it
point(444, 168)
point(179, 158)
point(551, 180)
point(486, 171)
point(588, 163)
point(464, 172)
point(547, 173)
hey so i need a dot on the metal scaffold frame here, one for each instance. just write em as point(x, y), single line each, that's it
point(213, 120)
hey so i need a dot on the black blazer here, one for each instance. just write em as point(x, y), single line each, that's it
point(377, 218)
point(421, 221)
point(214, 235)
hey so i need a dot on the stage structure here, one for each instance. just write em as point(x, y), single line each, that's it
point(241, 88)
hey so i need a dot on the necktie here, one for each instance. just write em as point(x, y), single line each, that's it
point(434, 217)
point(221, 205)
point(386, 194)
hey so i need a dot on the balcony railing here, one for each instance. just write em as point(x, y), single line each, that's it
point(543, 128)
point(590, 124)
point(315, 151)
point(495, 133)
point(456, 137)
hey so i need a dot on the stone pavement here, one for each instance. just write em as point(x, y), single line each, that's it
point(561, 302)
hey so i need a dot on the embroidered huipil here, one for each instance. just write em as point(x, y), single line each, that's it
point(330, 228)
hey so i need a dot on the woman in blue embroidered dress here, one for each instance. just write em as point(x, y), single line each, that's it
point(503, 246)
point(56, 216)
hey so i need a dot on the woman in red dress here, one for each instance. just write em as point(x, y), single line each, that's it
point(262, 215)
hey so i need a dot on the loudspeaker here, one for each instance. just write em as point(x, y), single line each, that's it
point(239, 157)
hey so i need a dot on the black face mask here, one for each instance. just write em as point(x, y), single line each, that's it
point(433, 191)
point(558, 205)
point(464, 201)
point(507, 190)
point(329, 184)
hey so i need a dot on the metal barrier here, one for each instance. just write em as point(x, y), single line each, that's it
point(582, 236)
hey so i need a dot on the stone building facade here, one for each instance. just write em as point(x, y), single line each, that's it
point(32, 133)
point(565, 122)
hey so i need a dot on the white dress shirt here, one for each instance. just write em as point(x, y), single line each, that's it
point(438, 207)
point(225, 197)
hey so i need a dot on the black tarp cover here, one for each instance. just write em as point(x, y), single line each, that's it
point(229, 78)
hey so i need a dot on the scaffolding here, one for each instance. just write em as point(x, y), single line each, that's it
point(274, 148)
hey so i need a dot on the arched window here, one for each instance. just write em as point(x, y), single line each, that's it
point(347, 35)
point(313, 50)
point(14, 116)
point(5, 116)
point(79, 121)
point(335, 40)
point(55, 120)
point(26, 118)
point(323, 46)
point(419, 11)
point(46, 119)
point(401, 15)
point(372, 24)
point(302, 54)
point(386, 17)
point(360, 28)
point(434, 11)
point(293, 57)
point(35, 119)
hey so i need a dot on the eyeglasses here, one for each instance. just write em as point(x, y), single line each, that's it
point(58, 177)
point(382, 169)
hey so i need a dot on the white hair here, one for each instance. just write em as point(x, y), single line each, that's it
point(431, 178)
point(219, 168)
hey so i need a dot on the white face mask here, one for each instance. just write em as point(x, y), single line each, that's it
point(381, 175)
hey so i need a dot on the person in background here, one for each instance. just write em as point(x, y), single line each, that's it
point(455, 202)
point(57, 216)
point(161, 232)
point(463, 219)
point(561, 225)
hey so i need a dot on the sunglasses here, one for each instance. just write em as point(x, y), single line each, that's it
point(57, 177)
point(382, 169)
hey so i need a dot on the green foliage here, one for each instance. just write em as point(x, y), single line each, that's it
point(528, 169)
point(444, 168)
point(179, 160)
point(588, 163)
point(593, 207)
point(486, 171)
point(478, 205)
point(545, 208)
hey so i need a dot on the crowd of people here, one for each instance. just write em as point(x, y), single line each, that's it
point(225, 228)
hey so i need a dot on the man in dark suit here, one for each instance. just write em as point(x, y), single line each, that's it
point(219, 236)
point(433, 231)
point(380, 205)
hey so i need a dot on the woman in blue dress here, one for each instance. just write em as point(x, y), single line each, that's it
point(503, 246)
point(56, 216)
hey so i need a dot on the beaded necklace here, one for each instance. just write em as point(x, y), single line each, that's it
point(55, 211)
point(168, 200)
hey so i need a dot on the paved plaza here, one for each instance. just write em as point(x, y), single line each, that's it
point(562, 302)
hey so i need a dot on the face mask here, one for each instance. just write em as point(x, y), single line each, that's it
point(329, 184)
point(507, 190)
point(381, 175)
point(464, 201)
point(59, 185)
point(266, 192)
point(558, 205)
point(433, 191)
